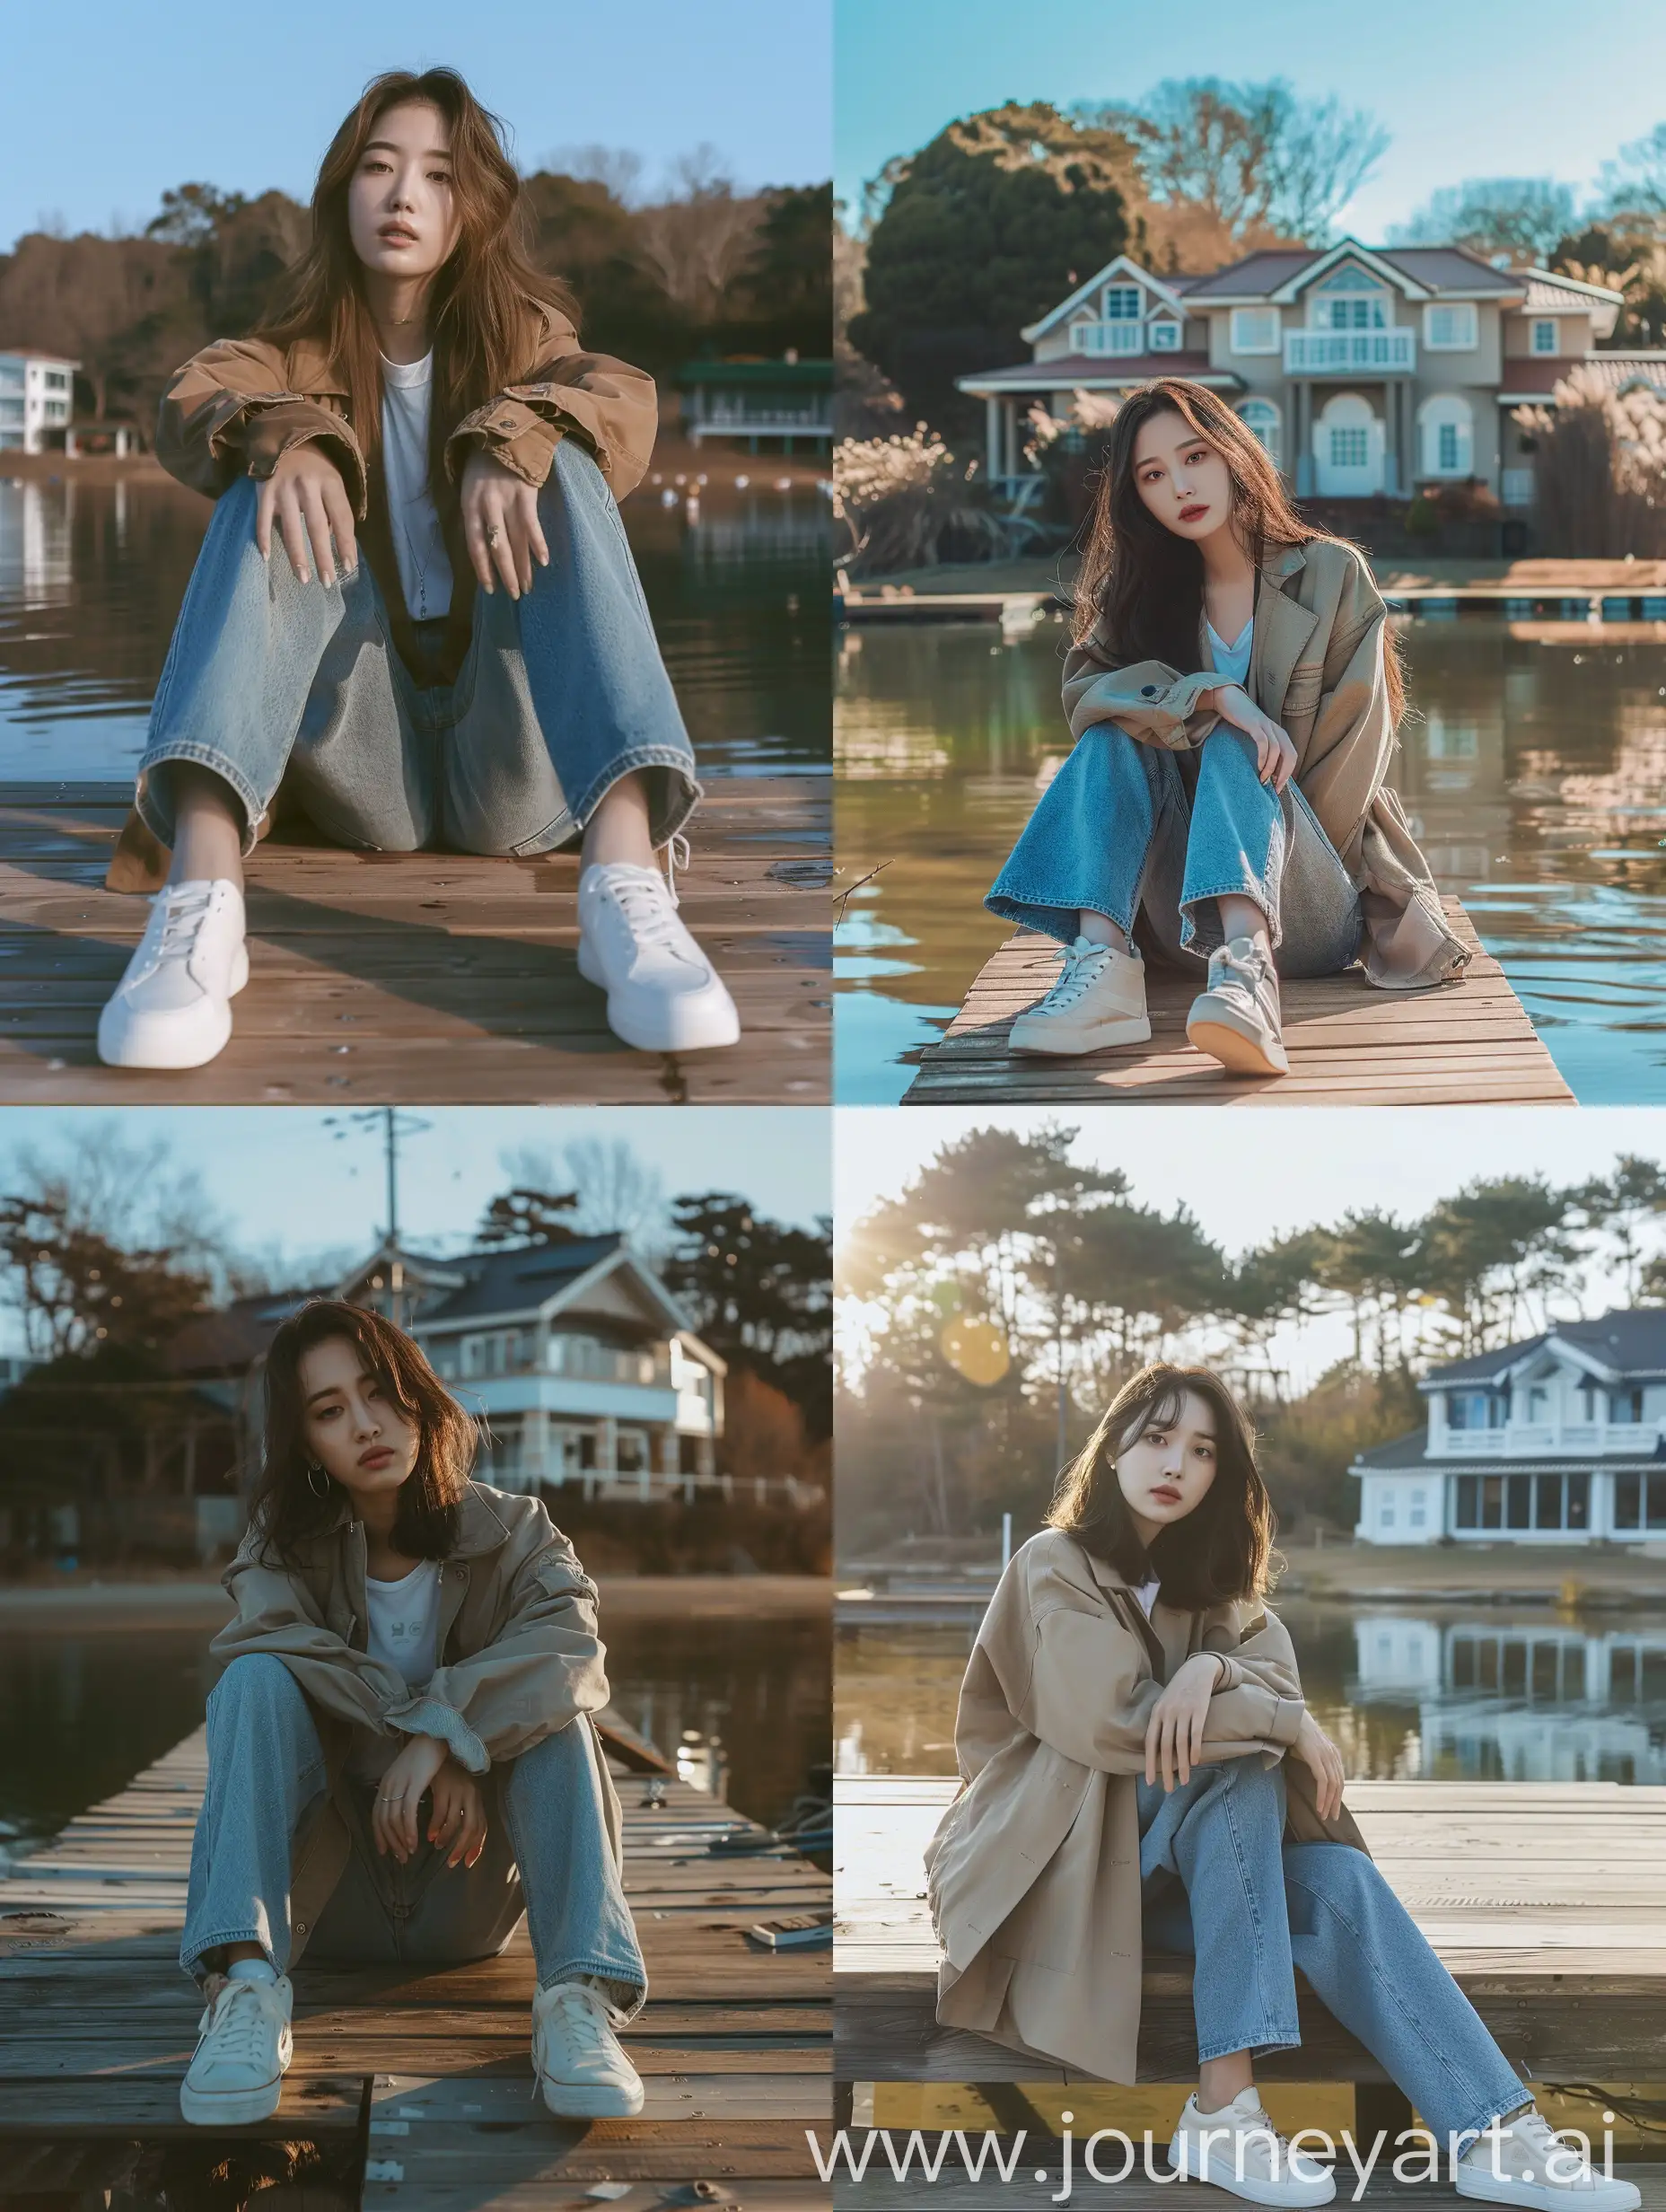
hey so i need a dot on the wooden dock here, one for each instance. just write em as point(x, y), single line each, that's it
point(1464, 1044)
point(418, 2080)
point(423, 978)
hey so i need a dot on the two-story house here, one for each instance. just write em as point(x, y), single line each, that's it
point(1362, 370)
point(1561, 1439)
point(579, 1360)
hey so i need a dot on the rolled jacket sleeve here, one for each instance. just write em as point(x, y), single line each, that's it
point(611, 408)
point(1152, 702)
point(543, 1668)
point(226, 413)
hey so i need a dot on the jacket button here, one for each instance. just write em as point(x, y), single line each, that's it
point(1148, 691)
point(301, 1928)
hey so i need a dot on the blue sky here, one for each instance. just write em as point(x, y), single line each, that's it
point(1492, 88)
point(289, 1184)
point(102, 108)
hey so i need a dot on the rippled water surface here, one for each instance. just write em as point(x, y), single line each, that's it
point(91, 576)
point(1535, 773)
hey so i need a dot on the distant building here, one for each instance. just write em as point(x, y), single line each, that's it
point(37, 391)
point(1363, 370)
point(759, 401)
point(1560, 1439)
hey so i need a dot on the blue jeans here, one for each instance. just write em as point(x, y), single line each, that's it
point(1251, 1908)
point(561, 692)
point(546, 1854)
point(1126, 829)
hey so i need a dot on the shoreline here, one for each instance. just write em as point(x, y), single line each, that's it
point(93, 1605)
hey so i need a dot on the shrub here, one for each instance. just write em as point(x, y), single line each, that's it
point(909, 503)
point(1602, 468)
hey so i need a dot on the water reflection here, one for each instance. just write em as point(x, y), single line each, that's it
point(1534, 769)
point(91, 576)
point(1440, 1695)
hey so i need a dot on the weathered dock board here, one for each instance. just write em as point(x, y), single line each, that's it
point(425, 977)
point(426, 2069)
point(1465, 1044)
point(1546, 1900)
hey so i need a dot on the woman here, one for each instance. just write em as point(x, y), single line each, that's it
point(1233, 693)
point(421, 388)
point(1130, 1704)
point(401, 1761)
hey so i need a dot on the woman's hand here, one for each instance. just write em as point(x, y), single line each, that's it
point(1174, 1732)
point(393, 1824)
point(500, 523)
point(309, 500)
point(1323, 1761)
point(459, 1818)
point(1275, 755)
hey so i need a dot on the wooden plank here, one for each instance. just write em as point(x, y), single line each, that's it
point(880, 2191)
point(1546, 1902)
point(361, 964)
point(1466, 1043)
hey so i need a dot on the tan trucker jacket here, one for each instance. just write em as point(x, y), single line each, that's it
point(1033, 1874)
point(519, 1656)
point(1316, 666)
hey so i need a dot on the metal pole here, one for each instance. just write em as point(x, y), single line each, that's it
point(393, 1175)
point(1006, 1539)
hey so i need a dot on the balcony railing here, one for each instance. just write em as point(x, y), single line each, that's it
point(1108, 337)
point(1523, 1439)
point(1314, 353)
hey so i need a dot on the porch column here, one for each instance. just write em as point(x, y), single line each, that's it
point(607, 1445)
point(1009, 413)
point(1302, 407)
point(1390, 437)
point(991, 436)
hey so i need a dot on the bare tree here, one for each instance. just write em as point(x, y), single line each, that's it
point(1635, 183)
point(617, 168)
point(1524, 216)
point(614, 1190)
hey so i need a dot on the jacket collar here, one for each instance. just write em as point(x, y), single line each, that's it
point(309, 369)
point(1283, 628)
point(480, 1528)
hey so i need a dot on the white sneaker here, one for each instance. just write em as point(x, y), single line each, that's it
point(1237, 1020)
point(1536, 2166)
point(582, 2070)
point(664, 995)
point(173, 1008)
point(1237, 2149)
point(1098, 1000)
point(243, 2046)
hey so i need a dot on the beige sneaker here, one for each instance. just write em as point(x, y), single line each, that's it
point(1533, 2165)
point(1098, 1000)
point(1236, 1021)
point(580, 2065)
point(1238, 2150)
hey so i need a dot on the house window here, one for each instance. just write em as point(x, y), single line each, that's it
point(1467, 1512)
point(1518, 1501)
point(1348, 447)
point(1625, 1406)
point(1451, 329)
point(1639, 1502)
point(1163, 337)
point(1255, 329)
point(1544, 335)
point(1385, 1512)
point(1122, 302)
point(1348, 300)
point(1476, 1409)
point(1448, 436)
point(1261, 417)
point(1418, 1517)
point(1538, 1402)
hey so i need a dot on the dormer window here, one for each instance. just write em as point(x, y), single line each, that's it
point(1469, 1409)
point(1122, 303)
point(1625, 1406)
point(1164, 337)
point(1349, 300)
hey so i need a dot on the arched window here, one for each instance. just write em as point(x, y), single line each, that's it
point(1261, 417)
point(1446, 434)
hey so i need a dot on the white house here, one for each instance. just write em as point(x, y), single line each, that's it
point(1560, 1440)
point(582, 1362)
point(37, 395)
point(1363, 370)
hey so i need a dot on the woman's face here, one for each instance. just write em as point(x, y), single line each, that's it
point(353, 1428)
point(1165, 1472)
point(1182, 478)
point(401, 215)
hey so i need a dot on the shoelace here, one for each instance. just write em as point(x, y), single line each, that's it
point(237, 2029)
point(1225, 970)
point(648, 904)
point(583, 2010)
point(1080, 969)
point(1534, 2130)
point(183, 915)
point(678, 854)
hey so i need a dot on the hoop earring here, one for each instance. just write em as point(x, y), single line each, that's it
point(315, 1469)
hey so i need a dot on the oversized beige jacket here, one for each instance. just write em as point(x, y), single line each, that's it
point(1033, 1874)
point(518, 1657)
point(1316, 666)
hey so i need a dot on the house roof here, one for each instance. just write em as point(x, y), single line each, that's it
point(520, 1277)
point(1097, 372)
point(1409, 1455)
point(1631, 1342)
point(1424, 269)
point(1167, 288)
point(1567, 294)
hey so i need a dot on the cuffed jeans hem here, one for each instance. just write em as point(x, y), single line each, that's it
point(632, 1977)
point(1491, 2112)
point(1258, 895)
point(1052, 920)
point(191, 1960)
point(1275, 2039)
point(671, 798)
point(162, 824)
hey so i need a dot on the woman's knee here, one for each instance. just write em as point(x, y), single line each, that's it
point(258, 1677)
point(1337, 1876)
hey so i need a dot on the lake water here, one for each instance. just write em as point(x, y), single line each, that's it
point(745, 1702)
point(1535, 773)
point(1436, 1693)
point(91, 576)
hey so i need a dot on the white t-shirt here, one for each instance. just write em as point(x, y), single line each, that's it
point(418, 546)
point(1147, 1594)
point(404, 1618)
point(1233, 660)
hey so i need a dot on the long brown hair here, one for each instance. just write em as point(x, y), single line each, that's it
point(286, 1507)
point(476, 301)
point(1222, 1550)
point(1140, 585)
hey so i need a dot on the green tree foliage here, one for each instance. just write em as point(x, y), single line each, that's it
point(984, 230)
point(529, 1217)
point(760, 1293)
